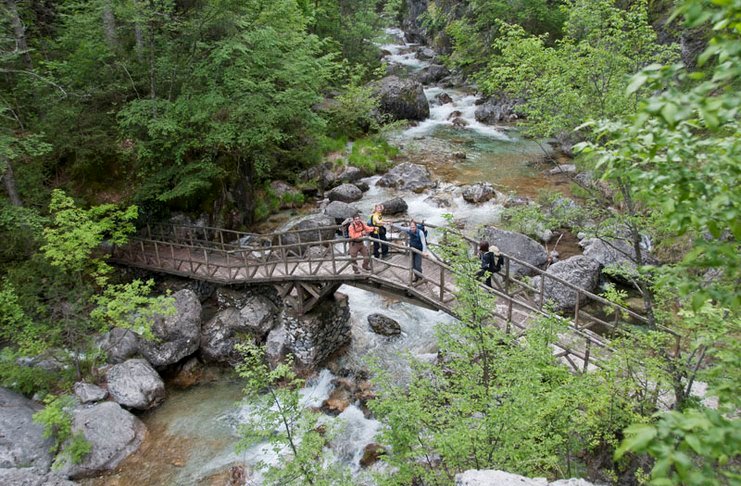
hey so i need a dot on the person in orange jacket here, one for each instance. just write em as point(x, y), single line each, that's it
point(357, 230)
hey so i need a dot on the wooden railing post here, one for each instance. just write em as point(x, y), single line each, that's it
point(542, 292)
point(576, 310)
point(506, 276)
point(157, 254)
point(586, 353)
point(442, 283)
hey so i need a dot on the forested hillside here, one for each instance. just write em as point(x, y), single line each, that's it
point(118, 113)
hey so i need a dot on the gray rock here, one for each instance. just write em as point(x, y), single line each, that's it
point(580, 271)
point(432, 74)
point(402, 99)
point(384, 325)
point(459, 155)
point(362, 185)
point(407, 176)
point(478, 193)
point(119, 345)
point(32, 476)
point(346, 193)
point(285, 193)
point(443, 98)
point(563, 169)
point(317, 227)
point(22, 443)
point(340, 211)
point(112, 432)
point(350, 174)
point(613, 252)
point(87, 392)
point(425, 54)
point(518, 246)
point(178, 335)
point(255, 317)
point(491, 477)
point(459, 122)
point(277, 345)
point(135, 384)
point(441, 200)
point(497, 109)
point(395, 206)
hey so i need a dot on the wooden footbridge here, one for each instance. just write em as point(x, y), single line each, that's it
point(306, 265)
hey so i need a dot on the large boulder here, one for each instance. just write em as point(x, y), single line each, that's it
point(614, 252)
point(350, 174)
point(22, 443)
point(346, 193)
point(119, 345)
point(112, 432)
point(317, 227)
point(497, 109)
point(384, 325)
point(32, 476)
point(518, 246)
point(432, 74)
point(255, 317)
point(135, 384)
point(277, 345)
point(340, 211)
point(407, 176)
point(402, 99)
point(178, 335)
point(478, 193)
point(395, 206)
point(425, 54)
point(286, 193)
point(580, 271)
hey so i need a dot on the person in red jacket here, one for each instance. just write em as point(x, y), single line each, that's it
point(357, 230)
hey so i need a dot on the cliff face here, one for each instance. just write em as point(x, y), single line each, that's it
point(411, 23)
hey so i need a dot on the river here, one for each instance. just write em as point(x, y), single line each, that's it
point(193, 434)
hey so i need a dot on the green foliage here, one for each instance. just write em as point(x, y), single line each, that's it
point(551, 211)
point(57, 422)
point(372, 155)
point(352, 114)
point(280, 419)
point(28, 379)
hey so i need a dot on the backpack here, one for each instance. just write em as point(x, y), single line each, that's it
point(421, 227)
point(496, 263)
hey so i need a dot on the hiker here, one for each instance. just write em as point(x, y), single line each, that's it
point(379, 233)
point(357, 229)
point(491, 261)
point(417, 240)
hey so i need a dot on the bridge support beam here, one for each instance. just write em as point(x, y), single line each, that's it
point(302, 297)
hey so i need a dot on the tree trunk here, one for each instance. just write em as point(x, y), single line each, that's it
point(9, 179)
point(139, 41)
point(19, 32)
point(109, 25)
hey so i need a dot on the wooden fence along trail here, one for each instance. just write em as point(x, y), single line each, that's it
point(306, 265)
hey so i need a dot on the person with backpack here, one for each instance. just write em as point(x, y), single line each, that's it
point(491, 261)
point(356, 230)
point(417, 240)
point(379, 233)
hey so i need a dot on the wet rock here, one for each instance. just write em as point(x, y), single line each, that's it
point(443, 98)
point(22, 444)
point(459, 155)
point(135, 384)
point(425, 54)
point(432, 74)
point(407, 176)
point(371, 453)
point(478, 193)
point(441, 200)
point(362, 185)
point(340, 211)
point(459, 122)
point(252, 320)
point(191, 373)
point(455, 114)
point(119, 345)
point(402, 99)
point(337, 402)
point(313, 337)
point(113, 433)
point(384, 325)
point(395, 206)
point(178, 335)
point(518, 246)
point(512, 200)
point(350, 174)
point(346, 193)
point(563, 169)
point(580, 271)
point(497, 109)
point(32, 476)
point(87, 392)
